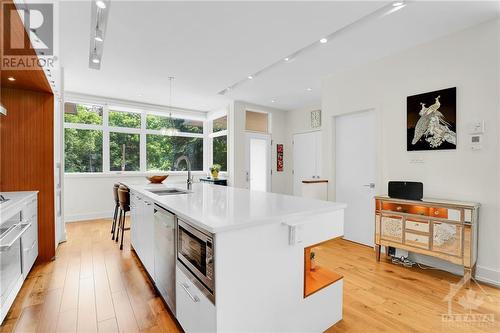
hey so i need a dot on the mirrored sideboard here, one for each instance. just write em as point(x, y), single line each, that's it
point(439, 228)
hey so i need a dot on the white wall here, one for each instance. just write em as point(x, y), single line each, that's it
point(468, 60)
point(88, 197)
point(280, 183)
point(299, 121)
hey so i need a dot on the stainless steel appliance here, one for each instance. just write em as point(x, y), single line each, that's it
point(164, 264)
point(195, 252)
point(11, 268)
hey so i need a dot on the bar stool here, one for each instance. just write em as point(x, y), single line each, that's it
point(117, 208)
point(124, 200)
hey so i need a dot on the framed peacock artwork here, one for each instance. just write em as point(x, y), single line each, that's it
point(432, 120)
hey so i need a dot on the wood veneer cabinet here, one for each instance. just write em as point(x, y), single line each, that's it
point(439, 228)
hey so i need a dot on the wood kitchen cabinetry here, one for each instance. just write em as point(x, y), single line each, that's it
point(438, 228)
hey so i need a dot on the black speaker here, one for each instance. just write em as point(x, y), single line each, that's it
point(406, 190)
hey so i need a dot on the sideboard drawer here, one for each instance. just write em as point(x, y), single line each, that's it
point(421, 241)
point(417, 225)
point(446, 213)
point(392, 228)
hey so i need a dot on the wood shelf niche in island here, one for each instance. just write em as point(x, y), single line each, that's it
point(320, 276)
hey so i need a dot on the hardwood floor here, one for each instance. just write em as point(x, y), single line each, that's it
point(93, 286)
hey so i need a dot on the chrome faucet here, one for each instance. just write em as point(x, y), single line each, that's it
point(190, 178)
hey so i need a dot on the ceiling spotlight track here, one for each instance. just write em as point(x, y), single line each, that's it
point(379, 13)
point(99, 17)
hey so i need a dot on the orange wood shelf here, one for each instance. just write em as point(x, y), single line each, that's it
point(318, 279)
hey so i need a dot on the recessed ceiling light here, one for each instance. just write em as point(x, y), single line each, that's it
point(397, 3)
point(96, 60)
point(309, 89)
point(101, 4)
point(273, 101)
point(140, 95)
point(287, 59)
point(11, 78)
point(250, 77)
point(323, 40)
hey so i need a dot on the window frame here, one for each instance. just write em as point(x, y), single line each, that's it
point(142, 131)
point(211, 135)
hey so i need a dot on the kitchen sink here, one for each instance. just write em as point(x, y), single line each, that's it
point(168, 191)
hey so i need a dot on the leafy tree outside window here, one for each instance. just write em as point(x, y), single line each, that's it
point(82, 114)
point(124, 119)
point(162, 151)
point(155, 122)
point(219, 142)
point(124, 145)
point(83, 150)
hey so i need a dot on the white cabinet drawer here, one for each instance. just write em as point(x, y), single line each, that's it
point(416, 225)
point(194, 311)
point(421, 241)
point(30, 253)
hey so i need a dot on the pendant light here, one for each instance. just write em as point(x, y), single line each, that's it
point(171, 130)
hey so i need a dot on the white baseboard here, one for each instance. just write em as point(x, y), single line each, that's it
point(488, 275)
point(89, 216)
point(483, 274)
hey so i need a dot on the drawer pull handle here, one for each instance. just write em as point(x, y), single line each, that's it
point(193, 298)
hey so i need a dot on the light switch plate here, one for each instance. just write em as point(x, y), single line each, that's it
point(476, 127)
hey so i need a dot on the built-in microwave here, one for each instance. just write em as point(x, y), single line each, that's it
point(195, 252)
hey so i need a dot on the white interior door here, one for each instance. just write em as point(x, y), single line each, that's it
point(258, 150)
point(355, 167)
point(306, 158)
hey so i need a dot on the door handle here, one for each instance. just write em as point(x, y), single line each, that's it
point(371, 185)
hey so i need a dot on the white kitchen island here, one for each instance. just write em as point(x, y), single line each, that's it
point(259, 246)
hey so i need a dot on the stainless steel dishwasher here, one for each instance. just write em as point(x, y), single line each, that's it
point(165, 254)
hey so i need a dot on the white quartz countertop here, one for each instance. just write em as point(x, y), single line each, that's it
point(220, 208)
point(14, 204)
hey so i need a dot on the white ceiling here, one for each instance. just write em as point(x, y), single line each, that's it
point(208, 46)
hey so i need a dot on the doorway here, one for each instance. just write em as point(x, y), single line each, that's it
point(355, 170)
point(258, 162)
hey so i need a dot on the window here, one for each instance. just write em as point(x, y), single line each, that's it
point(124, 152)
point(162, 152)
point(102, 140)
point(155, 122)
point(256, 122)
point(124, 119)
point(219, 124)
point(82, 114)
point(83, 150)
point(219, 142)
point(220, 151)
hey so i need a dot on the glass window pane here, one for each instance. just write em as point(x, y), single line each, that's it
point(82, 114)
point(124, 119)
point(83, 150)
point(155, 122)
point(162, 152)
point(219, 124)
point(124, 152)
point(220, 151)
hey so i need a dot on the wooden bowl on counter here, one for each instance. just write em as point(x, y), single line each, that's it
point(156, 179)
